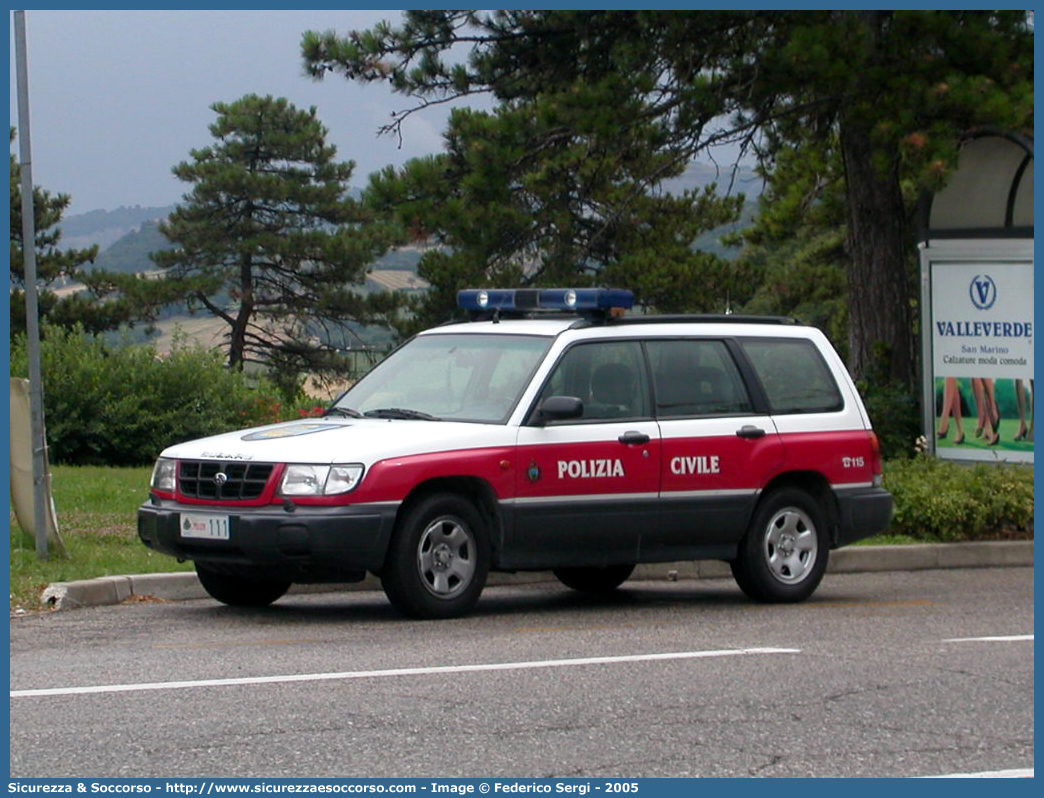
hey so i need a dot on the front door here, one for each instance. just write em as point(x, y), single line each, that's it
point(587, 487)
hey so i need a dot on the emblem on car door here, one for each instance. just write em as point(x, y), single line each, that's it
point(534, 472)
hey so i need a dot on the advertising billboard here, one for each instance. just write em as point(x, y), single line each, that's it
point(981, 330)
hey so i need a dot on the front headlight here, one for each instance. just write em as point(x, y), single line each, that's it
point(320, 480)
point(164, 474)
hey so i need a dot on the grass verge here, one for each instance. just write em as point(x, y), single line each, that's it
point(97, 520)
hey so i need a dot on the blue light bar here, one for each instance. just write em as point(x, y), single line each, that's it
point(523, 299)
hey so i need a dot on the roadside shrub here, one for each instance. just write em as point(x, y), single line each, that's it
point(939, 500)
point(121, 405)
point(895, 414)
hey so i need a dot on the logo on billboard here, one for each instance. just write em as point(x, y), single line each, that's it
point(983, 291)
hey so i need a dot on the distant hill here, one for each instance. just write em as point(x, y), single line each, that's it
point(106, 227)
point(130, 253)
point(698, 175)
point(127, 235)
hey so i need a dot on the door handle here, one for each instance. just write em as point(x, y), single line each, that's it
point(750, 431)
point(633, 438)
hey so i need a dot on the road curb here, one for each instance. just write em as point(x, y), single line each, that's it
point(183, 586)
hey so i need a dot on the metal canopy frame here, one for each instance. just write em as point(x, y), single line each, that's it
point(997, 167)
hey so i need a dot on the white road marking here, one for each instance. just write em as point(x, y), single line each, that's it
point(1007, 639)
point(316, 677)
point(1019, 773)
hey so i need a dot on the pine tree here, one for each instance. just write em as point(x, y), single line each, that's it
point(268, 239)
point(573, 212)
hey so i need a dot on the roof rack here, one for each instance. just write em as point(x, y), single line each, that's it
point(706, 318)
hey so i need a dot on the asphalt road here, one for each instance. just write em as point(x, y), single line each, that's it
point(872, 677)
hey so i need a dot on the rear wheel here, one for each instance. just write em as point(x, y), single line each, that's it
point(594, 579)
point(784, 554)
point(438, 559)
point(238, 590)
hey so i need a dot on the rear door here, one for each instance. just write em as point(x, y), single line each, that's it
point(819, 417)
point(718, 450)
point(588, 487)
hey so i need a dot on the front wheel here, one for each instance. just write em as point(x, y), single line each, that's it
point(594, 579)
point(438, 559)
point(240, 591)
point(784, 554)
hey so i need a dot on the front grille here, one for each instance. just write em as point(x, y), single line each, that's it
point(207, 479)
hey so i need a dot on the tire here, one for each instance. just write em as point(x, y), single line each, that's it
point(784, 554)
point(438, 559)
point(240, 591)
point(594, 579)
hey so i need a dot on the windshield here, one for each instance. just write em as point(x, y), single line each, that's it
point(465, 377)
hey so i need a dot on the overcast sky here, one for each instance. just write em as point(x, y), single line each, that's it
point(118, 97)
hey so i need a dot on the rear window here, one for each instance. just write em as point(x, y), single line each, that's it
point(794, 375)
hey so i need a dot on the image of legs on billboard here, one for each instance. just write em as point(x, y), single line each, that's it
point(951, 407)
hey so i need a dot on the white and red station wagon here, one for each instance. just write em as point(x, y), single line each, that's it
point(528, 440)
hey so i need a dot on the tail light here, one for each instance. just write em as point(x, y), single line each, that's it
point(876, 462)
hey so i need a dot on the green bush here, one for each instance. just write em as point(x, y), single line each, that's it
point(939, 500)
point(120, 406)
point(895, 415)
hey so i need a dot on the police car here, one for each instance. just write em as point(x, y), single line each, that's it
point(583, 443)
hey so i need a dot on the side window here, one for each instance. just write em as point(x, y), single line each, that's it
point(794, 375)
point(607, 376)
point(695, 378)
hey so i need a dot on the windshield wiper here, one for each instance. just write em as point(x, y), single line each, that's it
point(342, 411)
point(400, 412)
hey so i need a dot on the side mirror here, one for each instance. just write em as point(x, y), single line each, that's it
point(559, 408)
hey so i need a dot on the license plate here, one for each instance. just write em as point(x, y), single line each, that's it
point(204, 527)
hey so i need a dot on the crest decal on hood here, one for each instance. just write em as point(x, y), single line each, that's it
point(293, 431)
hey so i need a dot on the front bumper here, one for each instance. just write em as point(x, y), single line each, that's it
point(863, 512)
point(310, 544)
